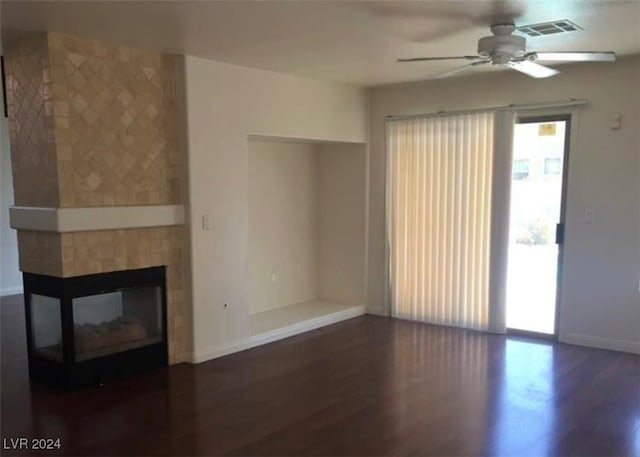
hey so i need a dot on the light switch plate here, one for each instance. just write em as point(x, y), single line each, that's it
point(206, 223)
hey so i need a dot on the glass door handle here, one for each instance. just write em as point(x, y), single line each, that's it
point(559, 233)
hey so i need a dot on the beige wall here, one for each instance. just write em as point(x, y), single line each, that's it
point(225, 104)
point(600, 301)
point(341, 222)
point(282, 224)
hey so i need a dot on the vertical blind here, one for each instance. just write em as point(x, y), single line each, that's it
point(439, 181)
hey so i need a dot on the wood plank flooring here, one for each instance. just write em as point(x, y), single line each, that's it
point(368, 386)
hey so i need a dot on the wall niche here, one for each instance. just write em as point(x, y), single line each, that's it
point(306, 231)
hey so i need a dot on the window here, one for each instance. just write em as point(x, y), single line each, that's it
point(552, 166)
point(521, 169)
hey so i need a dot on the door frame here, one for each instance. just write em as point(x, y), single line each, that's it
point(537, 118)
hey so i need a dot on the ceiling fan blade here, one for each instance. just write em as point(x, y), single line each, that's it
point(460, 69)
point(535, 70)
point(501, 12)
point(476, 13)
point(570, 56)
point(421, 59)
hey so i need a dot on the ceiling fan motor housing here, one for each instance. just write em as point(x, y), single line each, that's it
point(502, 48)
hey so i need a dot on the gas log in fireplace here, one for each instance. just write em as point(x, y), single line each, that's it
point(91, 329)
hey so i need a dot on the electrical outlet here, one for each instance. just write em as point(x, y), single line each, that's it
point(274, 277)
point(589, 215)
point(615, 121)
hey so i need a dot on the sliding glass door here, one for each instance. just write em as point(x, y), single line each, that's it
point(536, 223)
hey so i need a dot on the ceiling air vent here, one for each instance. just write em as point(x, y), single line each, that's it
point(548, 28)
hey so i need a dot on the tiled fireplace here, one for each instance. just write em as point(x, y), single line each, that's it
point(97, 172)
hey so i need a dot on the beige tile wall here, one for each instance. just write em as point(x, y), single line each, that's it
point(31, 122)
point(115, 123)
point(92, 124)
point(95, 124)
point(40, 252)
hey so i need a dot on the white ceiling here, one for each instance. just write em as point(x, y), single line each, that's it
point(349, 41)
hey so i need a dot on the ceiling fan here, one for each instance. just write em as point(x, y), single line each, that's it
point(503, 48)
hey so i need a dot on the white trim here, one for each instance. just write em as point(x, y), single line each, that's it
point(601, 342)
point(274, 335)
point(217, 351)
point(367, 202)
point(305, 326)
point(377, 312)
point(16, 290)
point(61, 220)
point(512, 107)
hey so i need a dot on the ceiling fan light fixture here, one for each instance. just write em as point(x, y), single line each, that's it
point(502, 45)
point(500, 59)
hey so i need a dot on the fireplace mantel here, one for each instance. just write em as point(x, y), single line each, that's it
point(63, 220)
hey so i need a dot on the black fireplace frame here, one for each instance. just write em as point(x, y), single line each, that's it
point(70, 374)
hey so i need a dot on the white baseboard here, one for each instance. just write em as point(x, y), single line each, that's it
point(305, 326)
point(377, 312)
point(217, 351)
point(10, 291)
point(275, 335)
point(601, 343)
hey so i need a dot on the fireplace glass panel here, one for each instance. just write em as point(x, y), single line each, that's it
point(116, 321)
point(46, 327)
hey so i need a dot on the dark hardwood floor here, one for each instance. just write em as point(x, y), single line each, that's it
point(367, 386)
